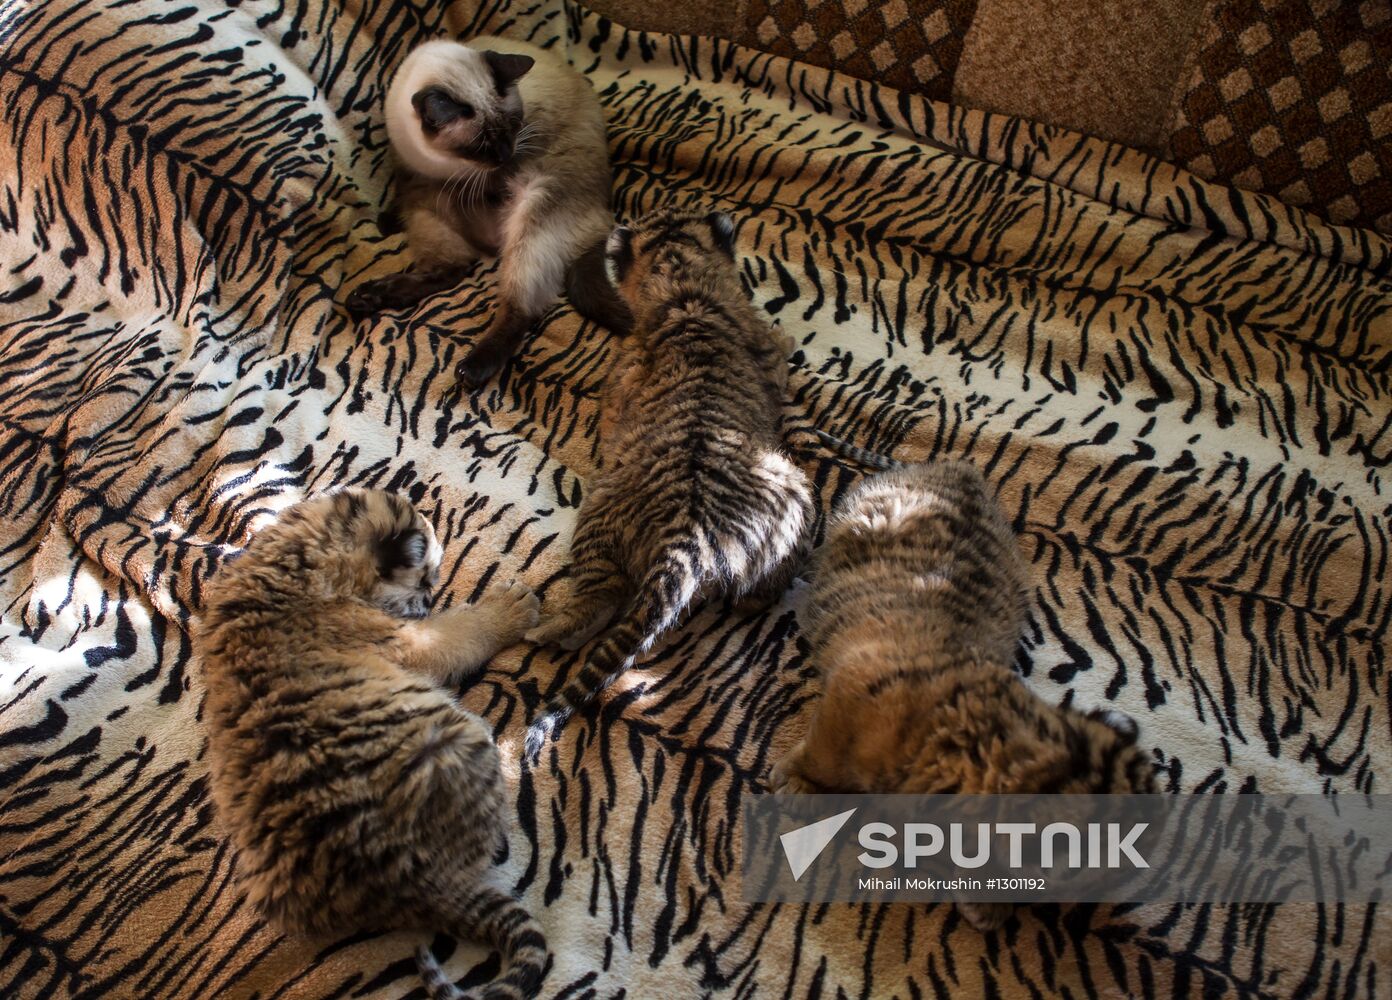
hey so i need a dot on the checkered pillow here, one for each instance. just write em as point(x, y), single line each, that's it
point(911, 45)
point(1294, 99)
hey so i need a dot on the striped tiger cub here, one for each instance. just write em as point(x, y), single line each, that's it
point(696, 498)
point(359, 795)
point(916, 605)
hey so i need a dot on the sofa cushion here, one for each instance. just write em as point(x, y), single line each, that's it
point(910, 45)
point(1108, 69)
point(1293, 99)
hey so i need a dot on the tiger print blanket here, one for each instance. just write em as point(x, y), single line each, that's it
point(1180, 391)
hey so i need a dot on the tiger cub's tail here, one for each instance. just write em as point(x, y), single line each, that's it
point(664, 595)
point(857, 454)
point(492, 915)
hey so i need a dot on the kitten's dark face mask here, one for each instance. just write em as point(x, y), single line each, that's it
point(483, 126)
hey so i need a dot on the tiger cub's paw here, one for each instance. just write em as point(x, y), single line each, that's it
point(516, 609)
point(786, 776)
point(986, 916)
point(556, 630)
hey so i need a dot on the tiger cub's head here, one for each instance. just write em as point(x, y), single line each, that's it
point(367, 544)
point(651, 260)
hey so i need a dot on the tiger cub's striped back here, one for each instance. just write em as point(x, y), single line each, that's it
point(696, 498)
point(916, 606)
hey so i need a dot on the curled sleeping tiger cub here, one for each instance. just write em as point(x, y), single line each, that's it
point(696, 498)
point(916, 605)
point(359, 795)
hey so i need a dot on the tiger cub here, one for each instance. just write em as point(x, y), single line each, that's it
point(696, 498)
point(915, 608)
point(359, 795)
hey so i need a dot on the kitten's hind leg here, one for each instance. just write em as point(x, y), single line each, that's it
point(542, 237)
point(593, 296)
point(498, 343)
point(459, 641)
point(399, 291)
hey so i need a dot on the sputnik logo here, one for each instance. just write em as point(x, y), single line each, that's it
point(802, 846)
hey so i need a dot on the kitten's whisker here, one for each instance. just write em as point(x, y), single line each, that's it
point(464, 194)
point(468, 190)
point(463, 181)
point(445, 188)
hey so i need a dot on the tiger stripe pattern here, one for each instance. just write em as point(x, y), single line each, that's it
point(857, 454)
point(359, 796)
point(1178, 393)
point(697, 499)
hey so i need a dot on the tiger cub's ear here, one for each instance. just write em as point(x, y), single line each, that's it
point(1119, 722)
point(403, 550)
point(722, 229)
point(618, 254)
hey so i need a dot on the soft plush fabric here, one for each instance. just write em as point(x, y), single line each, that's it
point(910, 45)
point(1105, 67)
point(690, 17)
point(1293, 98)
point(1180, 391)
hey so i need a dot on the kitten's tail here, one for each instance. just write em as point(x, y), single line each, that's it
point(665, 593)
point(592, 294)
point(857, 454)
point(492, 915)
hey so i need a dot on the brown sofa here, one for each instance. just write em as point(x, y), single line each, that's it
point(1287, 97)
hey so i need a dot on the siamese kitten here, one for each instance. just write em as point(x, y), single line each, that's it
point(501, 151)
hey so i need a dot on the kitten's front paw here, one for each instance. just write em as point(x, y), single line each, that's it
point(478, 367)
point(396, 291)
point(364, 301)
point(518, 609)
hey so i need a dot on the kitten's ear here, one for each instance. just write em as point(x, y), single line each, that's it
point(1119, 722)
point(403, 550)
point(722, 229)
point(618, 254)
point(507, 67)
